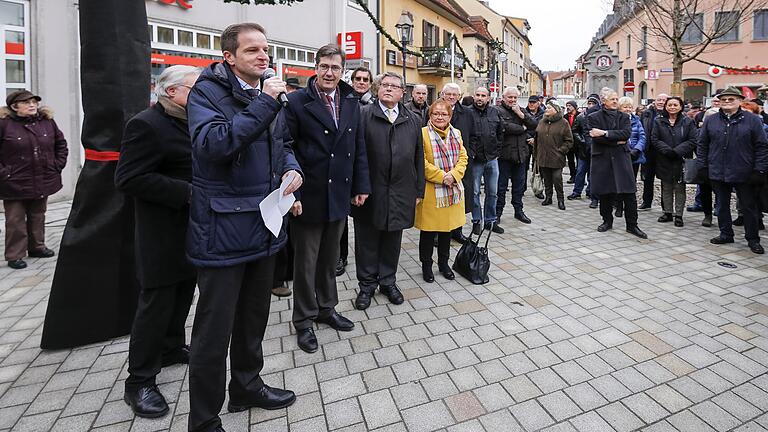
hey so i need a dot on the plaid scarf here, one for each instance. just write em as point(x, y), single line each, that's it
point(324, 97)
point(446, 152)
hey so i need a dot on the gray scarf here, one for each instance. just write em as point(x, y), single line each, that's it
point(172, 108)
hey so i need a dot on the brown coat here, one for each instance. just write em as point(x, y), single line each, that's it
point(33, 152)
point(553, 141)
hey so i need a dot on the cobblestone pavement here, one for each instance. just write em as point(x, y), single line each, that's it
point(577, 331)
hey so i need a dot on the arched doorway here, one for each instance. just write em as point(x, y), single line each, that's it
point(695, 90)
point(642, 91)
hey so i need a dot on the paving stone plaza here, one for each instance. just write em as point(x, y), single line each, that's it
point(576, 331)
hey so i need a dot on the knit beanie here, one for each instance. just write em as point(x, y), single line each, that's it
point(553, 103)
point(573, 104)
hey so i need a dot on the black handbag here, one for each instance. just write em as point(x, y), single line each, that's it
point(692, 173)
point(472, 261)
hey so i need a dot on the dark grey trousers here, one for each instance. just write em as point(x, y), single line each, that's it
point(376, 256)
point(233, 301)
point(316, 250)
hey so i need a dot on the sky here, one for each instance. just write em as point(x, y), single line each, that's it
point(561, 30)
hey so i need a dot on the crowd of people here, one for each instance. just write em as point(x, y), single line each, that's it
point(200, 161)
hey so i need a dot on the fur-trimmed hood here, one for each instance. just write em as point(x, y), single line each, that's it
point(44, 112)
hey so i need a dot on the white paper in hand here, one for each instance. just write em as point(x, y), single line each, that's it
point(274, 206)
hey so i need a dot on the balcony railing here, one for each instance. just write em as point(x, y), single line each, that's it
point(437, 60)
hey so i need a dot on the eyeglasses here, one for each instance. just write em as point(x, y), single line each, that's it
point(323, 68)
point(439, 114)
point(727, 99)
point(391, 86)
point(361, 78)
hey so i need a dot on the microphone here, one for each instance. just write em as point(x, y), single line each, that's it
point(367, 98)
point(269, 73)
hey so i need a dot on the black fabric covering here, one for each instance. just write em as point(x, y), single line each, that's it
point(94, 292)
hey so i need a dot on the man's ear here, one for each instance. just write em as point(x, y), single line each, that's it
point(229, 58)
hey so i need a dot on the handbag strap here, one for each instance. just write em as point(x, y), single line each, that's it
point(487, 239)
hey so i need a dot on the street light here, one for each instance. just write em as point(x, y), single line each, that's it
point(502, 58)
point(404, 28)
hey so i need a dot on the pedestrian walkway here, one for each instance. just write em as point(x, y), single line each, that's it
point(576, 331)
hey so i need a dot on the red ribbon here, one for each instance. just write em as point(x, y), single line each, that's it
point(101, 156)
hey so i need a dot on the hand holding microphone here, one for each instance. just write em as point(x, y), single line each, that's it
point(274, 86)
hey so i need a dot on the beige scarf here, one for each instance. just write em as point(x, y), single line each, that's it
point(172, 108)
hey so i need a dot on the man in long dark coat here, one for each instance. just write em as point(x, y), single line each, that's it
point(611, 173)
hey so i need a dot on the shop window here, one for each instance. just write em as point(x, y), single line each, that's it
point(185, 38)
point(693, 30)
point(14, 42)
point(203, 41)
point(760, 31)
point(291, 54)
point(217, 43)
point(165, 35)
point(727, 22)
point(302, 55)
point(280, 53)
point(11, 13)
point(271, 51)
point(14, 71)
point(310, 57)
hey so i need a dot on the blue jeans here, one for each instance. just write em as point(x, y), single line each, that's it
point(489, 171)
point(582, 177)
point(515, 171)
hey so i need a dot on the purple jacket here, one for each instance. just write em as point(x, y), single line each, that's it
point(33, 152)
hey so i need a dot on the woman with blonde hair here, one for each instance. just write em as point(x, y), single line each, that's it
point(442, 209)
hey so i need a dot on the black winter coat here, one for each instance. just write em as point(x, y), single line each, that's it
point(579, 132)
point(672, 144)
point(611, 169)
point(396, 166)
point(155, 168)
point(487, 134)
point(648, 118)
point(421, 112)
point(463, 121)
point(332, 157)
point(33, 152)
point(732, 148)
point(514, 146)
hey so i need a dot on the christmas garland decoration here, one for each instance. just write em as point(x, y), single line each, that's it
point(730, 68)
point(495, 44)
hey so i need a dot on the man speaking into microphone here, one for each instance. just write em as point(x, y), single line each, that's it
point(241, 152)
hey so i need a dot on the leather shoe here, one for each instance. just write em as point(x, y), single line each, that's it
point(282, 290)
point(307, 340)
point(266, 397)
point(721, 240)
point(42, 253)
point(426, 272)
point(17, 264)
point(619, 212)
point(707, 221)
point(177, 356)
point(363, 300)
point(497, 229)
point(573, 196)
point(341, 266)
point(547, 201)
point(594, 203)
point(446, 271)
point(637, 232)
point(393, 294)
point(739, 221)
point(146, 402)
point(477, 228)
point(644, 206)
point(539, 196)
point(522, 217)
point(337, 322)
point(679, 221)
point(561, 204)
point(458, 237)
point(666, 217)
point(756, 248)
point(604, 227)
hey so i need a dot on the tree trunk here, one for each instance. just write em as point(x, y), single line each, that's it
point(676, 88)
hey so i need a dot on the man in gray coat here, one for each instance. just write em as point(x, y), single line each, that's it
point(393, 142)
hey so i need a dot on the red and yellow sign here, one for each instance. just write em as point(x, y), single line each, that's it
point(182, 3)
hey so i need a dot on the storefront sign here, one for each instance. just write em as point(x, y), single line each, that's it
point(169, 60)
point(651, 74)
point(353, 47)
point(181, 3)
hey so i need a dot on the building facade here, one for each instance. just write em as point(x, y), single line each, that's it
point(646, 72)
point(42, 48)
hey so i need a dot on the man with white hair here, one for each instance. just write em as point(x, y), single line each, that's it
point(155, 169)
point(611, 176)
point(461, 120)
point(513, 158)
point(418, 103)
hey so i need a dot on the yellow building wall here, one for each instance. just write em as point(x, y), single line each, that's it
point(390, 14)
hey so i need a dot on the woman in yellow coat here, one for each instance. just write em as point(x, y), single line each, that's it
point(442, 209)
